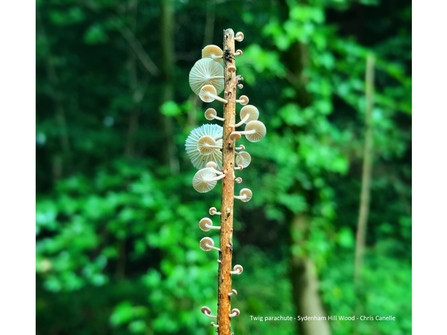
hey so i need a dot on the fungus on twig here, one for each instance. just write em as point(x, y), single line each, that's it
point(211, 114)
point(207, 311)
point(212, 51)
point(207, 244)
point(206, 224)
point(208, 93)
point(248, 113)
point(239, 36)
point(243, 159)
point(237, 270)
point(244, 195)
point(234, 312)
point(205, 179)
point(254, 131)
point(243, 100)
point(206, 72)
point(199, 153)
point(213, 211)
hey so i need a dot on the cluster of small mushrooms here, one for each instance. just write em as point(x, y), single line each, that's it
point(204, 144)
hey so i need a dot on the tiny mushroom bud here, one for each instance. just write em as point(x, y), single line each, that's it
point(232, 68)
point(234, 312)
point(211, 114)
point(239, 36)
point(212, 51)
point(213, 211)
point(238, 52)
point(207, 244)
point(233, 292)
point(237, 270)
point(205, 179)
point(254, 131)
point(243, 100)
point(206, 72)
point(238, 180)
point(208, 93)
point(206, 224)
point(244, 195)
point(207, 311)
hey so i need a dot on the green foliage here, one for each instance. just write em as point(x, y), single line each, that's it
point(117, 232)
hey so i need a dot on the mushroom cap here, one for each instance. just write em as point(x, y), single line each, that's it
point(204, 223)
point(206, 145)
point(246, 194)
point(212, 50)
point(251, 111)
point(203, 181)
point(206, 72)
point(259, 133)
point(243, 100)
point(199, 159)
point(210, 113)
point(205, 243)
point(239, 36)
point(243, 159)
point(211, 164)
point(207, 93)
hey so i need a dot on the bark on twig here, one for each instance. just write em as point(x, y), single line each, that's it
point(226, 223)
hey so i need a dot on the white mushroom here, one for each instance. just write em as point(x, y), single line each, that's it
point(254, 131)
point(208, 93)
point(205, 180)
point(198, 152)
point(206, 72)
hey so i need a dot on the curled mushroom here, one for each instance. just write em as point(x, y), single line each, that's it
point(239, 36)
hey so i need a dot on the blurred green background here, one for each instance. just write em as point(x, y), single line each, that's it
point(117, 218)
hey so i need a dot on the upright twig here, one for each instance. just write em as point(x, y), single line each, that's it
point(212, 150)
point(226, 218)
point(366, 170)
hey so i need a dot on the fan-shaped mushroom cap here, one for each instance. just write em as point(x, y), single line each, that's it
point(243, 159)
point(251, 111)
point(212, 51)
point(259, 131)
point(206, 72)
point(197, 156)
point(204, 180)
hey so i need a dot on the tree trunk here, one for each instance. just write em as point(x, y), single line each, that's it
point(305, 282)
point(167, 88)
